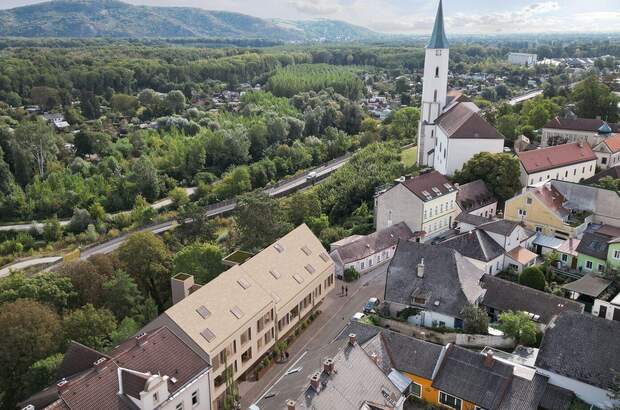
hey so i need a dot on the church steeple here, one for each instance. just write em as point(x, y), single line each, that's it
point(438, 39)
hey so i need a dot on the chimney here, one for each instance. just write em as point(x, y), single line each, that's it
point(140, 339)
point(181, 284)
point(488, 359)
point(62, 385)
point(315, 382)
point(290, 405)
point(421, 269)
point(374, 358)
point(100, 364)
point(328, 366)
point(352, 339)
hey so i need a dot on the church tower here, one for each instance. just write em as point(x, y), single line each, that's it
point(434, 89)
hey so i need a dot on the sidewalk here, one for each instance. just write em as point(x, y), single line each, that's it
point(336, 310)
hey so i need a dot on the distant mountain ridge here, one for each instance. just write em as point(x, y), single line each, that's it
point(113, 18)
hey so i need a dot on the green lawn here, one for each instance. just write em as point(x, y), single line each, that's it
point(409, 156)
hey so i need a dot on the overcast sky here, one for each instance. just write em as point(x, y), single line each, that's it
point(416, 16)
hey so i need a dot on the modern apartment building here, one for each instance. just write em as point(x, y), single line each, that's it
point(234, 320)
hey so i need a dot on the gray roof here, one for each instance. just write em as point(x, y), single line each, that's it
point(474, 195)
point(373, 243)
point(548, 241)
point(589, 285)
point(594, 245)
point(475, 244)
point(464, 374)
point(524, 394)
point(556, 398)
point(581, 347)
point(504, 295)
point(444, 268)
point(438, 38)
point(601, 202)
point(471, 219)
point(501, 227)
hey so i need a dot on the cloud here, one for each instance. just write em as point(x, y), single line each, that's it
point(316, 7)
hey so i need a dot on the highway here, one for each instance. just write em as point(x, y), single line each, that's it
point(283, 188)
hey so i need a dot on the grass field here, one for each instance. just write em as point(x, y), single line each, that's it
point(409, 156)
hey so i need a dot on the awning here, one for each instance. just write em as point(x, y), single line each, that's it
point(589, 285)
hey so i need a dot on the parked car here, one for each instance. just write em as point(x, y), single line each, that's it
point(358, 316)
point(371, 305)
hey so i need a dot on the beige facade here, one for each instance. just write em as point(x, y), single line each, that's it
point(236, 319)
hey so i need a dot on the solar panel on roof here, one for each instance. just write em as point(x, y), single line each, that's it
point(208, 335)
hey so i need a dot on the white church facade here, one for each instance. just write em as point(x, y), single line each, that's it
point(451, 130)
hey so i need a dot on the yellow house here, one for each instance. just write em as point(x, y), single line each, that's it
point(543, 209)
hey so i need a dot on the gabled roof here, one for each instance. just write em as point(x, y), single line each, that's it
point(450, 281)
point(504, 295)
point(557, 156)
point(579, 124)
point(373, 243)
point(469, 376)
point(462, 122)
point(432, 183)
point(594, 245)
point(438, 38)
point(475, 244)
point(581, 347)
point(502, 227)
point(612, 143)
point(474, 195)
point(77, 359)
point(471, 219)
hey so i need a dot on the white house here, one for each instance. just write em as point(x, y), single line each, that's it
point(451, 131)
point(572, 162)
point(524, 59)
point(608, 152)
point(566, 130)
point(426, 203)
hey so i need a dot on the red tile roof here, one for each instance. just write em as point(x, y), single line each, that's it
point(551, 197)
point(555, 157)
point(613, 143)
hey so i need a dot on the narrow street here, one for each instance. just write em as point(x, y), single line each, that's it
point(336, 313)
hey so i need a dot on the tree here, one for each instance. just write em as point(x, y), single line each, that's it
point(179, 197)
point(124, 104)
point(79, 221)
point(175, 101)
point(519, 326)
point(47, 288)
point(52, 230)
point(86, 281)
point(508, 126)
point(608, 182)
point(90, 326)
point(145, 257)
point(46, 97)
point(32, 332)
point(500, 172)
point(594, 99)
point(533, 277)
point(146, 178)
point(203, 260)
point(41, 374)
point(38, 143)
point(404, 124)
point(122, 296)
point(475, 320)
point(12, 198)
point(301, 206)
point(258, 232)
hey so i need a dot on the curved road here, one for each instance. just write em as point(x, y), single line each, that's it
point(281, 189)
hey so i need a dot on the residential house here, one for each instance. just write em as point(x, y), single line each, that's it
point(568, 162)
point(366, 252)
point(451, 131)
point(452, 377)
point(435, 282)
point(476, 199)
point(599, 250)
point(514, 239)
point(608, 152)
point(426, 203)
point(234, 320)
point(607, 306)
point(588, 289)
point(577, 353)
point(568, 130)
point(154, 370)
point(340, 375)
point(501, 296)
point(523, 59)
point(602, 204)
point(568, 253)
point(479, 248)
point(546, 210)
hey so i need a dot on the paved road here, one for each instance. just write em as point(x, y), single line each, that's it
point(28, 263)
point(336, 312)
point(521, 98)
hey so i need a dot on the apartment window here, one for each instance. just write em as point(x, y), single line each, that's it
point(450, 401)
point(195, 399)
point(415, 390)
point(575, 171)
point(564, 258)
point(539, 229)
point(155, 397)
point(425, 214)
point(532, 181)
point(590, 168)
point(436, 72)
point(566, 174)
point(601, 268)
point(179, 406)
point(616, 254)
point(589, 265)
point(583, 170)
point(603, 161)
point(522, 212)
point(435, 96)
point(528, 201)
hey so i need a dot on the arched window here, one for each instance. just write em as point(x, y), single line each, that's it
point(435, 97)
point(437, 72)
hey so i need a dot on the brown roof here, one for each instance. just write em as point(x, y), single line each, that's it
point(77, 359)
point(557, 156)
point(474, 195)
point(462, 122)
point(613, 143)
point(522, 255)
point(373, 243)
point(426, 182)
point(579, 124)
point(133, 384)
point(159, 352)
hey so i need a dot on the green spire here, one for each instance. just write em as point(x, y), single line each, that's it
point(438, 39)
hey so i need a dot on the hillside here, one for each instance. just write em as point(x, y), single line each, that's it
point(113, 18)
